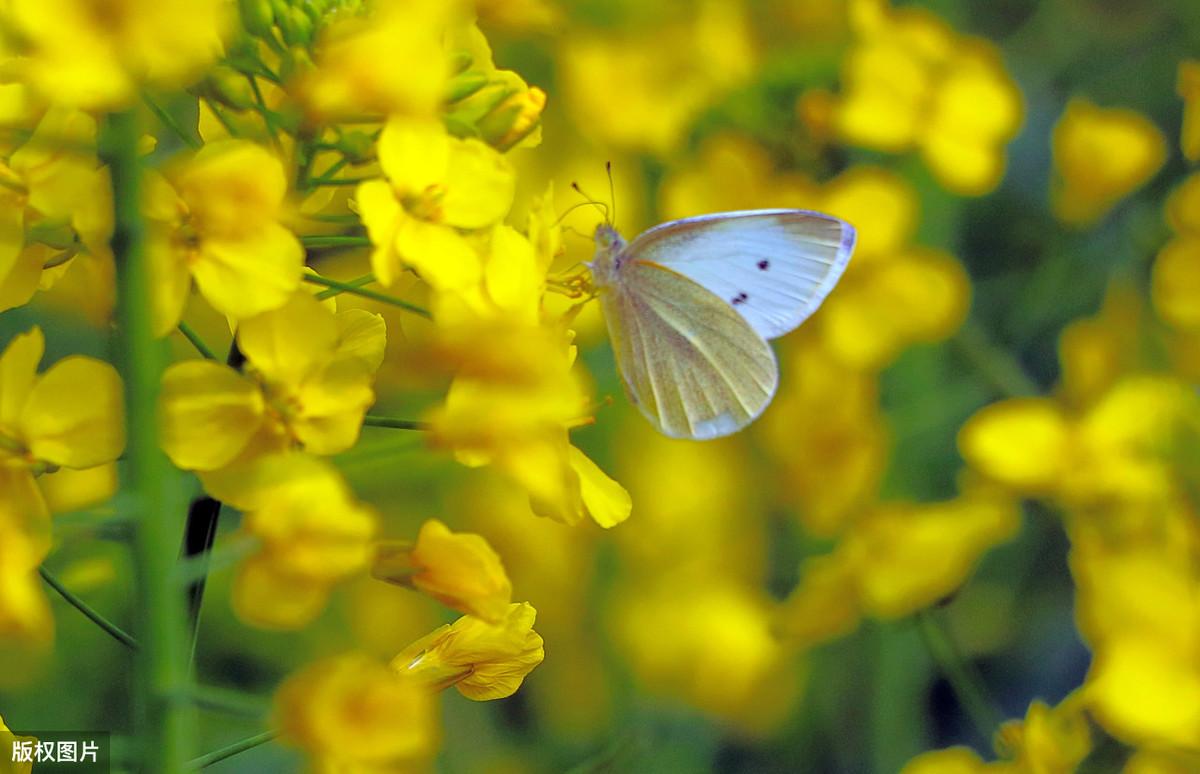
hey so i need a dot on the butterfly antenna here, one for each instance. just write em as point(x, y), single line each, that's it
point(612, 196)
point(594, 202)
point(574, 207)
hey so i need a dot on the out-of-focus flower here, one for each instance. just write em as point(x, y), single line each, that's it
point(215, 220)
point(484, 661)
point(55, 209)
point(391, 62)
point(1100, 156)
point(312, 533)
point(519, 15)
point(1139, 610)
point(436, 184)
point(351, 713)
point(8, 742)
point(460, 570)
point(1176, 278)
point(710, 644)
point(24, 611)
point(1049, 740)
point(307, 384)
point(662, 77)
point(496, 105)
point(731, 172)
point(45, 423)
point(952, 760)
point(897, 558)
point(1189, 89)
point(98, 57)
point(911, 82)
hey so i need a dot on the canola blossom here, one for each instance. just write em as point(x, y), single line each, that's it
point(316, 453)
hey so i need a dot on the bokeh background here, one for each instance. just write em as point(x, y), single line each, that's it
point(975, 490)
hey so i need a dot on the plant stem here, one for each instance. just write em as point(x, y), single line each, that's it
point(968, 687)
point(383, 298)
point(357, 282)
point(196, 341)
point(169, 121)
point(335, 241)
point(163, 723)
point(373, 420)
point(117, 633)
point(996, 365)
point(216, 756)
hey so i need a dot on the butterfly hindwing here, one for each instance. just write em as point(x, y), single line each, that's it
point(692, 364)
point(774, 267)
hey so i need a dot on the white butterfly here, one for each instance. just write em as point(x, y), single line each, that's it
point(690, 305)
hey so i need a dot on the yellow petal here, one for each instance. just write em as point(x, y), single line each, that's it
point(77, 430)
point(1020, 442)
point(291, 342)
point(362, 336)
point(479, 185)
point(606, 501)
point(381, 213)
point(253, 274)
point(18, 368)
point(268, 599)
point(170, 282)
point(209, 413)
point(1176, 283)
point(954, 760)
point(414, 154)
point(438, 253)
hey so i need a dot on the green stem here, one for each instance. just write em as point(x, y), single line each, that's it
point(996, 365)
point(149, 487)
point(372, 420)
point(216, 756)
point(317, 182)
point(357, 282)
point(117, 633)
point(229, 702)
point(383, 298)
point(169, 121)
point(335, 241)
point(197, 342)
point(968, 687)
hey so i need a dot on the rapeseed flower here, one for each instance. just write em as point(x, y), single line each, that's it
point(436, 186)
point(351, 713)
point(45, 424)
point(1100, 156)
point(80, 54)
point(912, 83)
point(306, 384)
point(484, 661)
point(1189, 89)
point(215, 220)
point(311, 533)
point(460, 570)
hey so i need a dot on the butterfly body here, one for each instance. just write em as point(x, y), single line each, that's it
point(691, 304)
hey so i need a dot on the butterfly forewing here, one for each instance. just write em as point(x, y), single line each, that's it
point(774, 267)
point(692, 364)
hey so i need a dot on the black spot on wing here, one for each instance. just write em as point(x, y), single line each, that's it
point(740, 298)
point(762, 265)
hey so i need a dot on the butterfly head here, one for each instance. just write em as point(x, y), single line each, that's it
point(609, 245)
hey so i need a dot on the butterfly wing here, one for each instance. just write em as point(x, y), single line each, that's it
point(693, 365)
point(775, 267)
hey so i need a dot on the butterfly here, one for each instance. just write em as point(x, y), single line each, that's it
point(691, 304)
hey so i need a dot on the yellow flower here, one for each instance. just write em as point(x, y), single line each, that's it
point(55, 204)
point(307, 384)
point(351, 713)
point(1050, 740)
point(1176, 283)
point(312, 533)
point(436, 184)
point(24, 611)
point(1022, 443)
point(1189, 89)
point(45, 422)
point(215, 220)
point(1100, 156)
point(483, 661)
point(898, 558)
point(953, 760)
point(912, 83)
point(390, 62)
point(97, 57)
point(460, 570)
point(501, 107)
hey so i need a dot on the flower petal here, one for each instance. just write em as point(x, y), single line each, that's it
point(209, 413)
point(64, 425)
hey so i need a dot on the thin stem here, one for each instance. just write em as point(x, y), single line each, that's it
point(372, 420)
point(996, 365)
point(117, 633)
point(148, 484)
point(335, 241)
point(169, 121)
point(383, 298)
point(968, 686)
point(196, 341)
point(216, 756)
point(228, 701)
point(357, 282)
